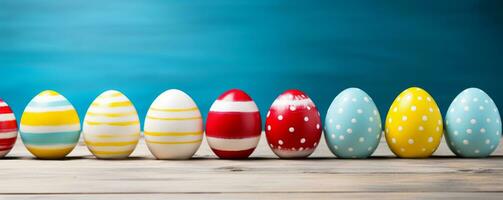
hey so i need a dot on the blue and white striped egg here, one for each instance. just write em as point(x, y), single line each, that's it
point(353, 126)
point(473, 124)
point(50, 126)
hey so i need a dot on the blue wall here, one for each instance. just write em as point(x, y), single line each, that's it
point(83, 47)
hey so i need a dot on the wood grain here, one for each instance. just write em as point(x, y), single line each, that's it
point(322, 176)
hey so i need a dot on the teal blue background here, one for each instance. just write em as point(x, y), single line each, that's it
point(81, 48)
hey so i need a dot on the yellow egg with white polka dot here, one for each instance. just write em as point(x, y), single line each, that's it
point(414, 124)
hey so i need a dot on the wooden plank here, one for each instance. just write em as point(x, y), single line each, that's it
point(126, 181)
point(321, 176)
point(254, 196)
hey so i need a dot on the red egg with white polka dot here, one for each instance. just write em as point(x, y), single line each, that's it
point(233, 126)
point(293, 125)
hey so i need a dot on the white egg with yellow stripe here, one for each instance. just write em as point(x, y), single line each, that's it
point(111, 127)
point(173, 126)
point(50, 126)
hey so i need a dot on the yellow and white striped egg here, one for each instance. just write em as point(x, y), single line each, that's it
point(111, 127)
point(50, 126)
point(414, 125)
point(173, 126)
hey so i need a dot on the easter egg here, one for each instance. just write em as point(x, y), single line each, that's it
point(414, 125)
point(50, 126)
point(173, 127)
point(111, 126)
point(473, 124)
point(8, 129)
point(353, 125)
point(293, 125)
point(233, 126)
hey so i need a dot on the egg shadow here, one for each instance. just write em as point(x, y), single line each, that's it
point(14, 158)
point(41, 159)
point(130, 158)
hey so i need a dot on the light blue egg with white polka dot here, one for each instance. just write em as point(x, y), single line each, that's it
point(353, 126)
point(473, 124)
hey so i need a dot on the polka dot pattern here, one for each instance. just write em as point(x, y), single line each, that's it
point(354, 133)
point(414, 124)
point(473, 132)
point(293, 125)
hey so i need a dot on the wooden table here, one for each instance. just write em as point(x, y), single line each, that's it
point(262, 177)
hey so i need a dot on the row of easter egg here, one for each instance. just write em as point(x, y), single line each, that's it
point(50, 127)
point(414, 126)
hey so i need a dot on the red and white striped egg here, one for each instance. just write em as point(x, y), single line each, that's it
point(8, 129)
point(233, 125)
point(293, 125)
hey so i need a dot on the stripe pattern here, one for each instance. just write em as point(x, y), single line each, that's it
point(8, 129)
point(50, 126)
point(173, 126)
point(233, 125)
point(111, 126)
